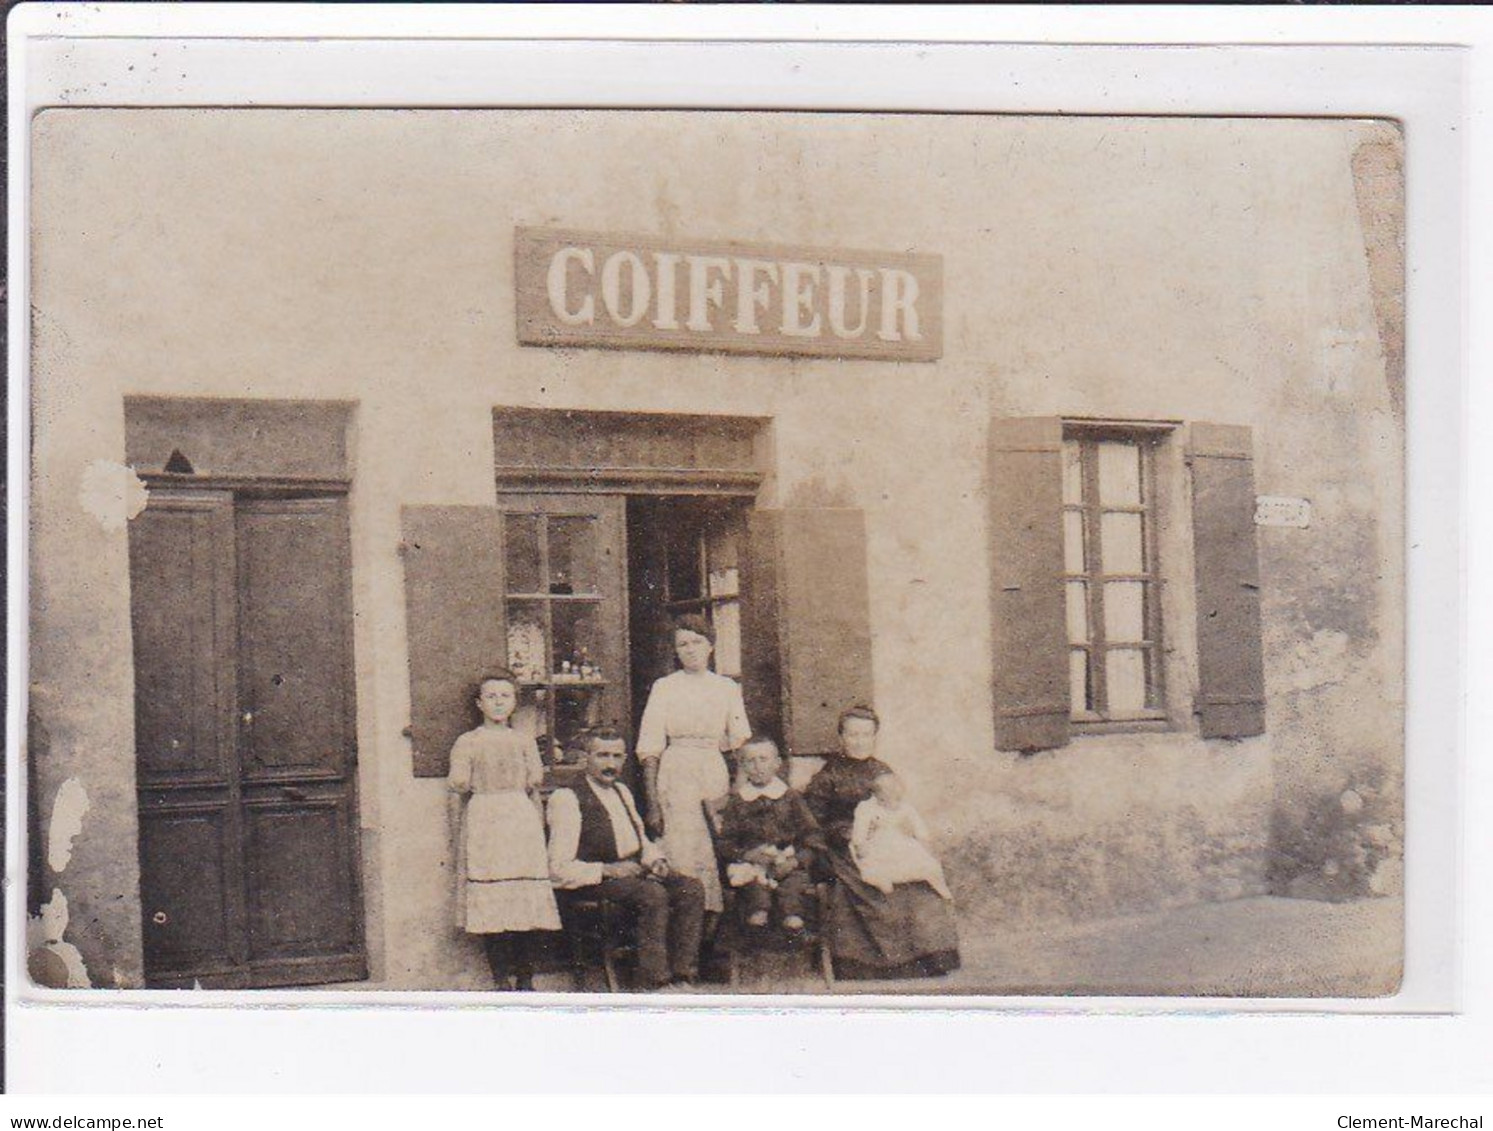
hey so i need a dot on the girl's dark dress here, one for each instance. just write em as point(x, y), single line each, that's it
point(907, 934)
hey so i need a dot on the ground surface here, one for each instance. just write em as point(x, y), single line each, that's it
point(1263, 947)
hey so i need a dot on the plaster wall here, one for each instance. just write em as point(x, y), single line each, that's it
point(1175, 270)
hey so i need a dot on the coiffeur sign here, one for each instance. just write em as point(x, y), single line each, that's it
point(636, 292)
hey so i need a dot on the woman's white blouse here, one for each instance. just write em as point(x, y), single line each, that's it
point(693, 708)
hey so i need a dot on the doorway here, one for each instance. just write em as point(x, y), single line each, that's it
point(244, 738)
point(684, 556)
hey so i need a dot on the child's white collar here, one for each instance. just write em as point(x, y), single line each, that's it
point(772, 790)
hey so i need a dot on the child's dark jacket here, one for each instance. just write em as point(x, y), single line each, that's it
point(779, 821)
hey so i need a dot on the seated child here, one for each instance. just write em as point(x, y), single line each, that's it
point(888, 840)
point(768, 839)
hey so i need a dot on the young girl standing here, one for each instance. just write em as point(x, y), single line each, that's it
point(503, 890)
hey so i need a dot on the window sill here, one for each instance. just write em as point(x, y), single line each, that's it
point(1149, 723)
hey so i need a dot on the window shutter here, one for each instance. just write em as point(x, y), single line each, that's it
point(453, 588)
point(1231, 668)
point(806, 624)
point(1029, 626)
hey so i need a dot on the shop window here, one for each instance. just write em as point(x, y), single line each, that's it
point(1075, 523)
point(1111, 577)
point(556, 616)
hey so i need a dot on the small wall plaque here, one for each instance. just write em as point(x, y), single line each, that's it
point(1277, 510)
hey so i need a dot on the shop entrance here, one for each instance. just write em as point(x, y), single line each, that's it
point(607, 525)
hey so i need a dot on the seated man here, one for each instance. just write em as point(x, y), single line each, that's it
point(768, 839)
point(598, 847)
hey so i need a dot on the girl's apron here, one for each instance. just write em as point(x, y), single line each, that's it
point(505, 867)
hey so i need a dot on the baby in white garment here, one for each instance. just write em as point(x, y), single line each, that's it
point(889, 840)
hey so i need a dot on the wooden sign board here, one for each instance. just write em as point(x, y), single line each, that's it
point(639, 292)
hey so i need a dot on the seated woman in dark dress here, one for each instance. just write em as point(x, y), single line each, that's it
point(908, 932)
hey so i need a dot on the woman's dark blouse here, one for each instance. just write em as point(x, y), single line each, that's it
point(835, 791)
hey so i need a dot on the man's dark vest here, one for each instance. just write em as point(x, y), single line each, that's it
point(598, 844)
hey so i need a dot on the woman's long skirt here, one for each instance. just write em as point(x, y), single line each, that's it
point(688, 776)
point(909, 933)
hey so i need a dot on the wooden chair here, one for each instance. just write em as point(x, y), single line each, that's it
point(812, 941)
point(596, 929)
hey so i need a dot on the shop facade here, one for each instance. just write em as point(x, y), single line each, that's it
point(1074, 446)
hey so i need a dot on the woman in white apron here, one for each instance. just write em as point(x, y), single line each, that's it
point(693, 718)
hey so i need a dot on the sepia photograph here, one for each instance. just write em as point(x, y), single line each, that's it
point(674, 552)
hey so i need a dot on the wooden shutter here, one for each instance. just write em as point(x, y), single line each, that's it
point(453, 587)
point(1231, 669)
point(1029, 626)
point(806, 624)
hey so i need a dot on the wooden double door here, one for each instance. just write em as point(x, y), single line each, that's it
point(245, 739)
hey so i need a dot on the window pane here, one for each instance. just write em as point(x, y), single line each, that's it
point(725, 582)
point(1125, 675)
point(521, 552)
point(1078, 613)
point(526, 652)
point(721, 555)
point(1122, 547)
point(1119, 473)
point(684, 567)
point(1124, 612)
point(727, 623)
point(572, 554)
point(1078, 681)
point(1072, 472)
point(1073, 541)
point(576, 636)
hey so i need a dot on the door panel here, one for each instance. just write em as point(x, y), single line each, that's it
point(299, 900)
point(183, 623)
point(186, 857)
point(293, 648)
point(181, 551)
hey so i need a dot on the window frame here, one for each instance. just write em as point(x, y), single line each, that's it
point(1147, 437)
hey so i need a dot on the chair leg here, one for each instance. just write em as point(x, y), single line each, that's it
point(608, 955)
point(822, 899)
point(733, 969)
point(577, 962)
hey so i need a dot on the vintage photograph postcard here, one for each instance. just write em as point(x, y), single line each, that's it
point(681, 552)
